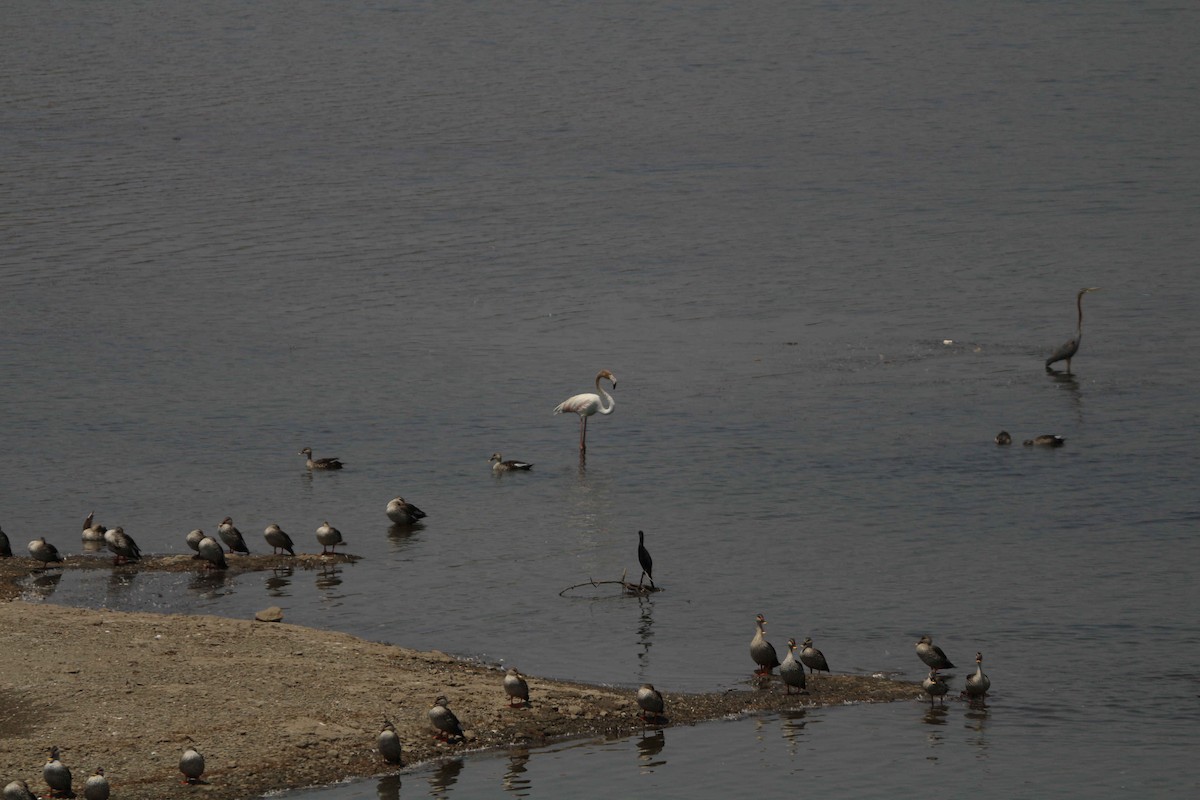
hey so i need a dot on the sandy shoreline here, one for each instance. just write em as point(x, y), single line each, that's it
point(274, 706)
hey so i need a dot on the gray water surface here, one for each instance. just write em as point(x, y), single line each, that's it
point(824, 247)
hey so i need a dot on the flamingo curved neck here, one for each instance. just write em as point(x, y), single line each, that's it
point(603, 397)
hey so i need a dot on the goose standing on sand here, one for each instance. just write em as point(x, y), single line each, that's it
point(211, 551)
point(329, 538)
point(232, 537)
point(500, 465)
point(977, 682)
point(122, 545)
point(932, 655)
point(587, 404)
point(19, 790)
point(791, 670)
point(5, 547)
point(1046, 440)
point(320, 463)
point(1068, 350)
point(402, 512)
point(57, 775)
point(92, 531)
point(644, 559)
point(278, 540)
point(96, 787)
point(193, 540)
point(444, 721)
point(812, 658)
point(762, 651)
point(516, 687)
point(43, 551)
point(389, 743)
point(935, 686)
point(650, 701)
point(191, 764)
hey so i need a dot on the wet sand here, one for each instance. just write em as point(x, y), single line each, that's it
point(274, 706)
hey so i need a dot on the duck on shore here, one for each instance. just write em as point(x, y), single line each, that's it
point(762, 651)
point(43, 551)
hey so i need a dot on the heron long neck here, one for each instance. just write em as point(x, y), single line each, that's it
point(1079, 323)
point(604, 396)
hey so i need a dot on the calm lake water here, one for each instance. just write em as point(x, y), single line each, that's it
point(824, 247)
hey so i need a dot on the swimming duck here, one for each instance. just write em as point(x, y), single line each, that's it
point(329, 538)
point(932, 655)
point(515, 687)
point(1003, 437)
point(320, 463)
point(191, 764)
point(96, 787)
point(978, 683)
point(57, 775)
point(812, 658)
point(1046, 440)
point(791, 670)
point(211, 551)
point(762, 651)
point(122, 545)
point(644, 559)
point(650, 700)
point(92, 531)
point(18, 790)
point(193, 540)
point(935, 686)
point(499, 465)
point(5, 547)
point(389, 743)
point(278, 540)
point(444, 721)
point(232, 537)
point(402, 512)
point(43, 551)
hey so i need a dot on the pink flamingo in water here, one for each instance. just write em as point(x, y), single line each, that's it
point(587, 404)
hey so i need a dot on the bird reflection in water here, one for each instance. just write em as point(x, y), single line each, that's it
point(935, 715)
point(119, 581)
point(445, 776)
point(92, 546)
point(401, 536)
point(388, 788)
point(649, 746)
point(645, 630)
point(514, 777)
point(976, 722)
point(329, 577)
point(210, 583)
point(278, 581)
point(42, 586)
point(791, 726)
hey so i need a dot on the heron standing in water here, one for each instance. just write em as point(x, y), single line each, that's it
point(1068, 350)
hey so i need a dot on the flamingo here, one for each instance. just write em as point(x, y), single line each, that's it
point(587, 404)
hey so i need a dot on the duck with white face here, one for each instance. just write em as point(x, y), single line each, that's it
point(512, 465)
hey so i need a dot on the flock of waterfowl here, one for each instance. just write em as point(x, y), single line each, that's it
point(791, 669)
point(211, 551)
point(442, 720)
